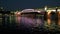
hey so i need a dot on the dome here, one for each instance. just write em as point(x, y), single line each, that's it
point(28, 10)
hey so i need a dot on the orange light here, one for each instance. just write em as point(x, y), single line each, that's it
point(59, 18)
point(59, 12)
point(17, 13)
point(49, 21)
point(49, 12)
point(48, 17)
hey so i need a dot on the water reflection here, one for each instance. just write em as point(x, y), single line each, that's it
point(26, 21)
point(18, 19)
point(49, 21)
point(49, 18)
point(5, 21)
point(59, 18)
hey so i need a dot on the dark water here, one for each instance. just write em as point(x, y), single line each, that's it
point(13, 23)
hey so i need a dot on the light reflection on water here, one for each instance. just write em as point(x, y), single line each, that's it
point(59, 18)
point(14, 21)
point(49, 21)
point(29, 21)
point(18, 20)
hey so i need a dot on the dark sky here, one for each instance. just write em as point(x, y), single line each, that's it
point(22, 4)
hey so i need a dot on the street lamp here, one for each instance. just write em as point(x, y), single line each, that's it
point(56, 9)
point(45, 8)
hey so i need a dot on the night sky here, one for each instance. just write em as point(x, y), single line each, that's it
point(22, 4)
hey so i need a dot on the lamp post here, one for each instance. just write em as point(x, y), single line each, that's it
point(45, 15)
point(45, 8)
point(56, 15)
